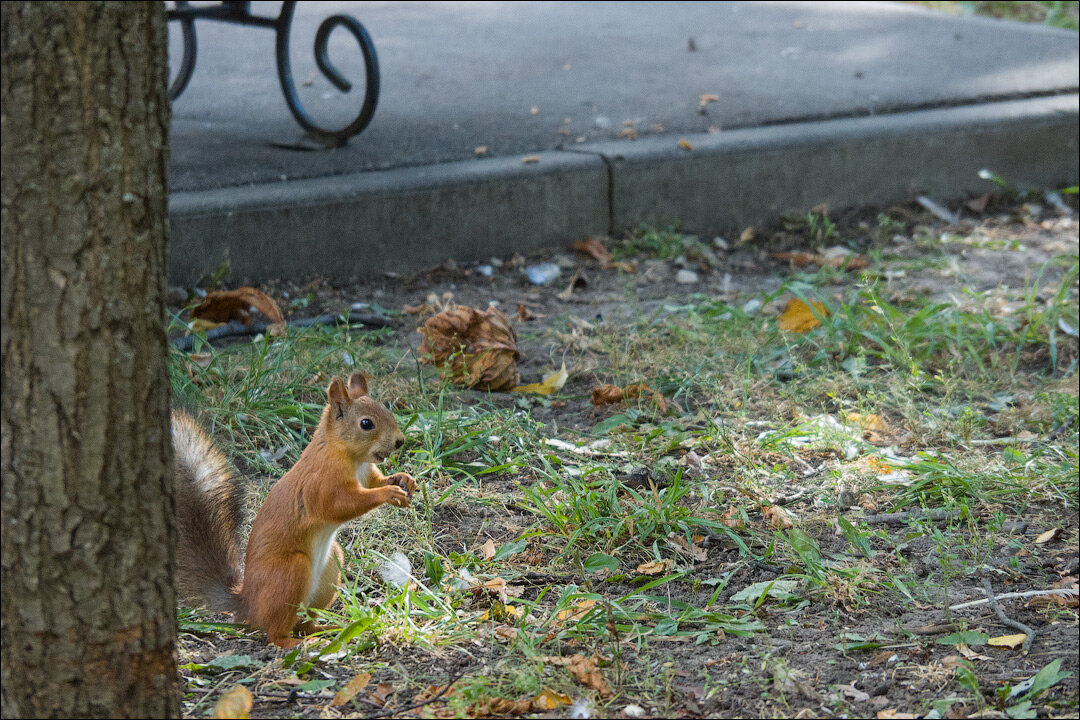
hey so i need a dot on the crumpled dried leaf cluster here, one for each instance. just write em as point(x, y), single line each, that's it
point(480, 348)
point(611, 394)
point(222, 306)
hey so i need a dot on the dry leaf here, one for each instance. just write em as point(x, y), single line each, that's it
point(747, 235)
point(235, 703)
point(481, 150)
point(529, 159)
point(628, 133)
point(200, 325)
point(479, 348)
point(611, 394)
point(1047, 536)
point(777, 517)
point(380, 694)
point(203, 360)
point(707, 98)
point(548, 699)
point(798, 317)
point(893, 714)
point(584, 669)
point(352, 687)
point(655, 568)
point(732, 518)
point(488, 550)
point(1007, 641)
point(852, 692)
point(684, 144)
point(798, 258)
point(679, 543)
point(594, 246)
point(576, 611)
point(222, 306)
point(524, 314)
point(550, 385)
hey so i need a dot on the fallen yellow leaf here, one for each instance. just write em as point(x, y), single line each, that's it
point(548, 699)
point(577, 611)
point(1047, 536)
point(530, 159)
point(799, 317)
point(684, 144)
point(550, 385)
point(201, 325)
point(236, 703)
point(1008, 641)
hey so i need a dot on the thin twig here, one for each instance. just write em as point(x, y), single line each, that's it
point(1029, 634)
point(1061, 592)
point(237, 329)
point(901, 517)
point(414, 706)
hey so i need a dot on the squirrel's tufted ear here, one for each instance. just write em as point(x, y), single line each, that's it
point(358, 387)
point(338, 397)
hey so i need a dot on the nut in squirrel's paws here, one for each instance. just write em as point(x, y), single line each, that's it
point(405, 481)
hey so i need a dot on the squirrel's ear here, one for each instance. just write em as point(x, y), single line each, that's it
point(338, 397)
point(358, 384)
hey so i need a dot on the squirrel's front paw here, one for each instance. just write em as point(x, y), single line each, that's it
point(395, 495)
point(405, 481)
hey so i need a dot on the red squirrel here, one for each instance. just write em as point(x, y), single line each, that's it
point(292, 557)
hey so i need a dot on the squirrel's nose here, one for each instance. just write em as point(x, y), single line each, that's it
point(399, 442)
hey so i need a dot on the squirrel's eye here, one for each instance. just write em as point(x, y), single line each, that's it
point(366, 424)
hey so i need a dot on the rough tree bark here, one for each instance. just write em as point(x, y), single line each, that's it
point(89, 623)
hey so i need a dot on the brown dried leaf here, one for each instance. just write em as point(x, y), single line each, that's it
point(488, 550)
point(586, 671)
point(480, 349)
point(777, 517)
point(655, 568)
point(222, 306)
point(732, 518)
point(606, 395)
point(708, 98)
point(684, 144)
point(798, 258)
point(628, 133)
point(380, 694)
point(594, 246)
point(235, 703)
point(352, 687)
point(693, 550)
point(481, 150)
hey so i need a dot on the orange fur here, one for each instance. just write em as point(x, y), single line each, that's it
point(292, 558)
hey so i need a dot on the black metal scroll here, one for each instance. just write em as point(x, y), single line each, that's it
point(240, 13)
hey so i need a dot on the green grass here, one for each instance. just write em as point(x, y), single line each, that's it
point(980, 409)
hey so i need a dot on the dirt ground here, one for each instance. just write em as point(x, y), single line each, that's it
point(798, 665)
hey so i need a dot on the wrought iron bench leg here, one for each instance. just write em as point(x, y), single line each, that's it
point(238, 12)
point(288, 87)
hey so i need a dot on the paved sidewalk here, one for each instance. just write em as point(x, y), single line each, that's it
point(853, 102)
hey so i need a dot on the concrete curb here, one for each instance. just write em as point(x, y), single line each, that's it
point(409, 218)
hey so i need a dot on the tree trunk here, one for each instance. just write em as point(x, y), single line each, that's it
point(89, 621)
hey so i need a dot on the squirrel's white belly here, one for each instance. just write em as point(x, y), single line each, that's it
point(320, 555)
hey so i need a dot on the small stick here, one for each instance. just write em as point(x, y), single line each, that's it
point(1061, 592)
point(414, 706)
point(1029, 634)
point(237, 329)
point(901, 517)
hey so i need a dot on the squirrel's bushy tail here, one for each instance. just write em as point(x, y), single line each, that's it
point(209, 515)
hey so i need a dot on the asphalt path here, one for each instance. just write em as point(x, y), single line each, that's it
point(522, 77)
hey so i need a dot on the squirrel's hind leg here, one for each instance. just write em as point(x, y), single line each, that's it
point(326, 590)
